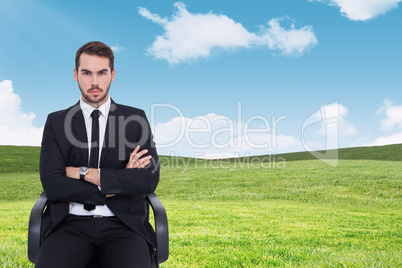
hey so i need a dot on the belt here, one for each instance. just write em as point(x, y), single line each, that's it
point(94, 216)
point(100, 216)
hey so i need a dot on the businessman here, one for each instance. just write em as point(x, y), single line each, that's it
point(97, 162)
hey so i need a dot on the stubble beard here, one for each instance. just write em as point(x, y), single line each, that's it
point(95, 100)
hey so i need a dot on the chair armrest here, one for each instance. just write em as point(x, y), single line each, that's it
point(161, 228)
point(34, 229)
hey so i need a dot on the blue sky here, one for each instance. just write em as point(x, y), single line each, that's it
point(197, 65)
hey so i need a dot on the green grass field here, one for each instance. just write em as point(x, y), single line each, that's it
point(298, 212)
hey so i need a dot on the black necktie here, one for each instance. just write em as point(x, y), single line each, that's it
point(94, 156)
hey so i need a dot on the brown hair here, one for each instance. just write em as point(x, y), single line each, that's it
point(95, 48)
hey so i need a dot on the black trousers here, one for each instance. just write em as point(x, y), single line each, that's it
point(78, 240)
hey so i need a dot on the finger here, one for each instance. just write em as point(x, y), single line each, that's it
point(138, 164)
point(130, 164)
point(143, 162)
point(146, 163)
point(136, 149)
point(134, 153)
point(142, 153)
point(139, 155)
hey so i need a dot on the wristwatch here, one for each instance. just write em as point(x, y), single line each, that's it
point(83, 172)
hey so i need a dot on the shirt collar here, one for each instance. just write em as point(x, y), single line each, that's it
point(88, 109)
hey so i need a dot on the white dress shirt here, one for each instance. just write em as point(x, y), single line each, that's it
point(76, 208)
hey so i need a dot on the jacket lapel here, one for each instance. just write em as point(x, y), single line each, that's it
point(80, 132)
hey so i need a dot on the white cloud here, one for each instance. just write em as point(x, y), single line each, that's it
point(393, 115)
point(392, 139)
point(153, 17)
point(191, 36)
point(362, 10)
point(332, 117)
point(117, 48)
point(391, 123)
point(288, 42)
point(217, 136)
point(327, 128)
point(338, 113)
point(15, 125)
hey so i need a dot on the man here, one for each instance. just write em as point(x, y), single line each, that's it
point(96, 193)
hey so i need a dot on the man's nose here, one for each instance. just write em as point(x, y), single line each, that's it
point(95, 80)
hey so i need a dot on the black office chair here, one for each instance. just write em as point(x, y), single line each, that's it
point(161, 252)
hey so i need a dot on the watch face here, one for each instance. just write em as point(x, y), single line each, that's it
point(83, 170)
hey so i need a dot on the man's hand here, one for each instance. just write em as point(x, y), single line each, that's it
point(73, 172)
point(92, 175)
point(136, 161)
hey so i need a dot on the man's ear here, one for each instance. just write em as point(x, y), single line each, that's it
point(75, 75)
point(113, 74)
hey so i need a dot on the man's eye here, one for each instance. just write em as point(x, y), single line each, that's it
point(102, 73)
point(85, 73)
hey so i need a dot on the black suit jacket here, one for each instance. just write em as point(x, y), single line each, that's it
point(65, 144)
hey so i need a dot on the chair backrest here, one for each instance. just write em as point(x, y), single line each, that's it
point(161, 252)
point(35, 227)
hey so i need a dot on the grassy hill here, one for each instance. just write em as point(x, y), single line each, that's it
point(387, 152)
point(16, 159)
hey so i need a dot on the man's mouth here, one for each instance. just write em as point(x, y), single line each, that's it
point(95, 91)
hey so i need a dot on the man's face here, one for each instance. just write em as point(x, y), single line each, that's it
point(94, 78)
